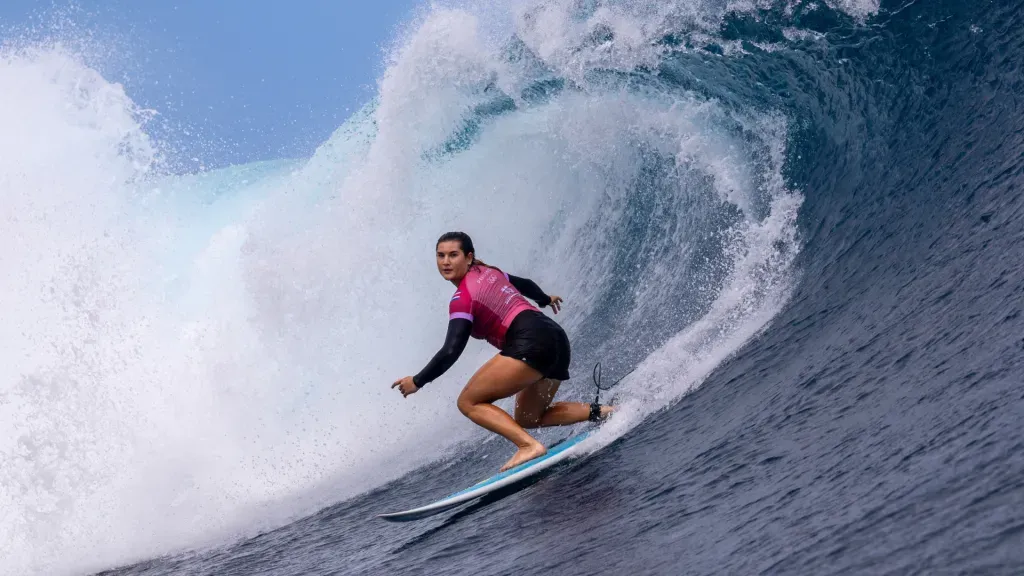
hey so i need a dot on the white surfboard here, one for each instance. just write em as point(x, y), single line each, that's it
point(557, 453)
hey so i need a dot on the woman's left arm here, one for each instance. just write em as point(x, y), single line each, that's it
point(531, 290)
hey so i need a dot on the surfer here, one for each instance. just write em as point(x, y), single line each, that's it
point(534, 350)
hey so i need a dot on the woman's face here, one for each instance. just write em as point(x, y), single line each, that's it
point(452, 262)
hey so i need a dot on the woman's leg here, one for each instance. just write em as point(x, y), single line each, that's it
point(535, 410)
point(501, 377)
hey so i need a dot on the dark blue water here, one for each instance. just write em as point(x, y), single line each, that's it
point(874, 428)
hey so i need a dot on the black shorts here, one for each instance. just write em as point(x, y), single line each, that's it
point(540, 342)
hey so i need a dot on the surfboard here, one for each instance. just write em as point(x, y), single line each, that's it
point(557, 453)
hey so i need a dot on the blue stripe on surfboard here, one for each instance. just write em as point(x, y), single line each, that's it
point(552, 452)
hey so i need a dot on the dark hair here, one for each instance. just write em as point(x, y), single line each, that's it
point(465, 243)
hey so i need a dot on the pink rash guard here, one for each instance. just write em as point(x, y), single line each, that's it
point(487, 299)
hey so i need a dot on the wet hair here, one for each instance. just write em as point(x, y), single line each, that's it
point(465, 243)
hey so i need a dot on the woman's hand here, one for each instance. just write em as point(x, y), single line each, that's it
point(406, 386)
point(556, 303)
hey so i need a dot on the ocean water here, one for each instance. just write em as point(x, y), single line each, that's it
point(799, 224)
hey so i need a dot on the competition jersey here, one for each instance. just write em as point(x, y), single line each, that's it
point(487, 299)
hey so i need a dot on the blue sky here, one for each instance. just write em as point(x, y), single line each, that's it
point(248, 79)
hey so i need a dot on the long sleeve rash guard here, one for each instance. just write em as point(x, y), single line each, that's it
point(460, 329)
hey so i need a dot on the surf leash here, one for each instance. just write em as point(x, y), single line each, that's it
point(595, 406)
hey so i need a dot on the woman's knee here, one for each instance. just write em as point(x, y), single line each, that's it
point(466, 401)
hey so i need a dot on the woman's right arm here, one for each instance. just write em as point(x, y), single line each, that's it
point(455, 341)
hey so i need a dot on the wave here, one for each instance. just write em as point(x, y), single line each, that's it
point(201, 356)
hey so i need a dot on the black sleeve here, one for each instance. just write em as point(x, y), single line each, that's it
point(454, 343)
point(530, 289)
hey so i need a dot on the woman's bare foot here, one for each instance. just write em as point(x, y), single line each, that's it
point(525, 454)
point(604, 411)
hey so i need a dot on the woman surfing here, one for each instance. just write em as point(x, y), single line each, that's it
point(534, 352)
